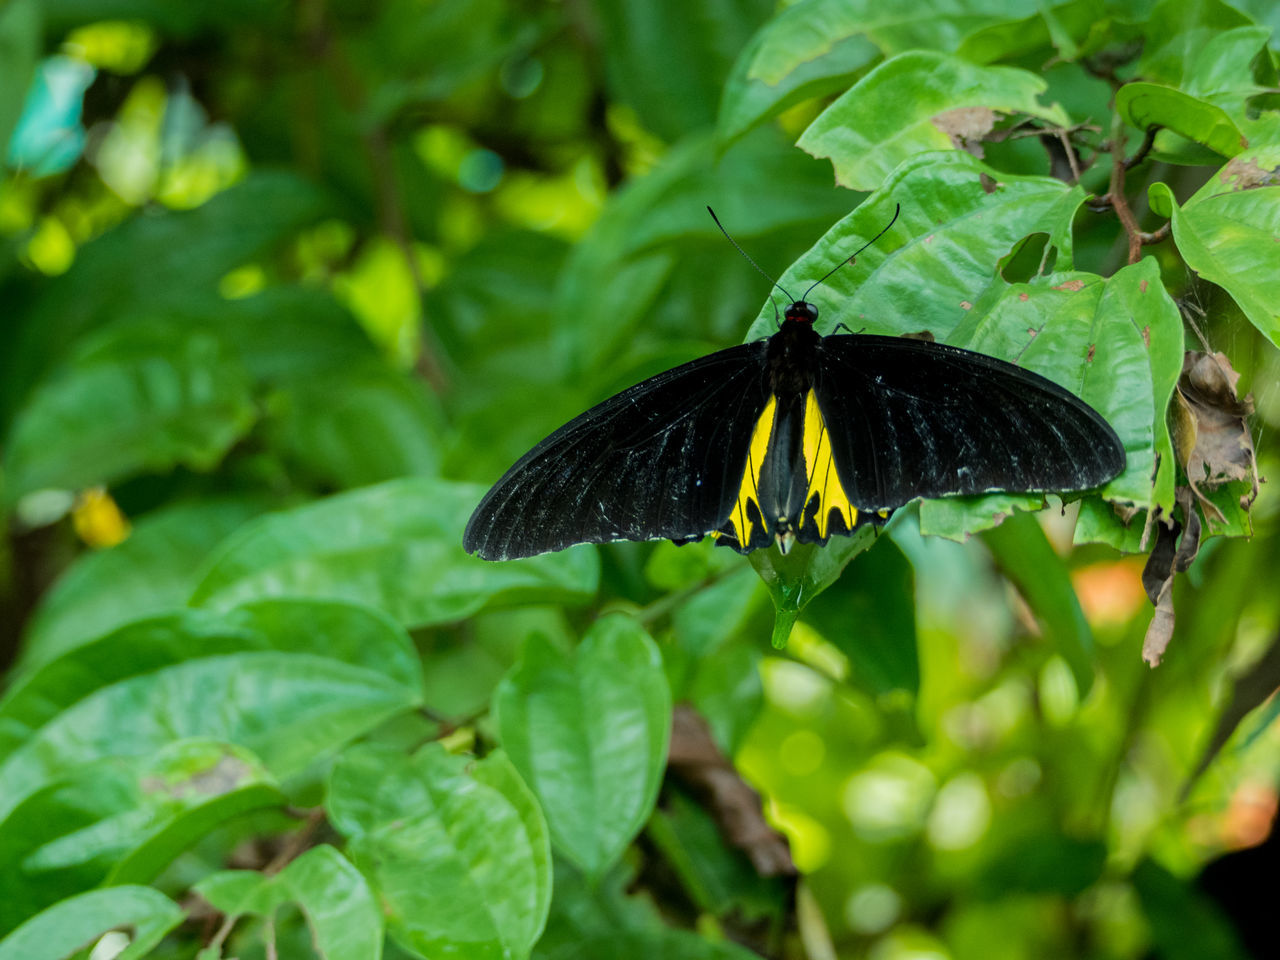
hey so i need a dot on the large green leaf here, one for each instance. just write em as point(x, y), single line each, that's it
point(807, 50)
point(1185, 924)
point(152, 263)
point(456, 848)
point(152, 571)
point(1227, 232)
point(589, 733)
point(289, 680)
point(911, 104)
point(19, 50)
point(396, 546)
point(77, 922)
point(929, 270)
point(1147, 105)
point(1176, 33)
point(341, 910)
point(137, 399)
point(1111, 342)
point(122, 820)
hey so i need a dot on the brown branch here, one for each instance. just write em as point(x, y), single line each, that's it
point(1115, 192)
point(1148, 140)
point(1156, 236)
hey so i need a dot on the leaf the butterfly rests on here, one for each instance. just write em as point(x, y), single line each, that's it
point(794, 438)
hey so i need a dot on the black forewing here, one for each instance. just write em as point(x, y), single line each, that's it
point(661, 459)
point(909, 418)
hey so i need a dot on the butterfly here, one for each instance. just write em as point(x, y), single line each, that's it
point(794, 438)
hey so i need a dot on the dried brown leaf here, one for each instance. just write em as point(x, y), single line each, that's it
point(966, 127)
point(1175, 550)
point(695, 759)
point(1211, 432)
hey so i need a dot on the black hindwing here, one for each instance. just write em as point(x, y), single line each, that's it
point(662, 459)
point(911, 419)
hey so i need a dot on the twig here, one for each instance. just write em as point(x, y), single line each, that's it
point(296, 843)
point(1156, 236)
point(1115, 192)
point(1148, 139)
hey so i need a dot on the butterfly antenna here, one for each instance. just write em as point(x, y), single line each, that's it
point(897, 208)
point(749, 260)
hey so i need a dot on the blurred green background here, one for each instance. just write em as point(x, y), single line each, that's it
point(254, 254)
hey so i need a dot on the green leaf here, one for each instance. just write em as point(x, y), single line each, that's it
point(1027, 559)
point(1177, 31)
point(720, 879)
point(797, 578)
point(1114, 343)
point(154, 570)
point(1184, 923)
point(357, 427)
point(929, 270)
point(341, 910)
point(670, 67)
point(1057, 28)
point(870, 617)
point(19, 51)
point(78, 921)
point(138, 399)
point(589, 733)
point(646, 944)
point(122, 821)
point(1041, 862)
point(1228, 231)
point(901, 109)
point(655, 238)
point(1231, 68)
point(396, 546)
point(436, 829)
point(807, 50)
point(153, 263)
point(1148, 105)
point(289, 680)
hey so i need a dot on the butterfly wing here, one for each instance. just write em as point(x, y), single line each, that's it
point(662, 459)
point(908, 418)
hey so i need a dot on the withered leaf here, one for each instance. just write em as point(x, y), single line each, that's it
point(966, 127)
point(1211, 434)
point(696, 760)
point(1175, 550)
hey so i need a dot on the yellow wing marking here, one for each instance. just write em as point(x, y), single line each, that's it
point(820, 469)
point(748, 490)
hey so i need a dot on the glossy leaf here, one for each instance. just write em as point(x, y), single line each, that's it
point(455, 848)
point(900, 109)
point(396, 546)
point(589, 734)
point(122, 820)
point(291, 681)
point(78, 921)
point(1148, 105)
point(341, 910)
point(19, 50)
point(154, 570)
point(1227, 232)
point(1177, 31)
point(930, 268)
point(136, 400)
point(809, 49)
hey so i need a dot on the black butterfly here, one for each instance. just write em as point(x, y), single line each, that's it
point(793, 438)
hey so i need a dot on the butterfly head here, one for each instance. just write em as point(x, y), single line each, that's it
point(801, 311)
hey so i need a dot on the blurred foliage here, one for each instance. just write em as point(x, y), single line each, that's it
point(285, 283)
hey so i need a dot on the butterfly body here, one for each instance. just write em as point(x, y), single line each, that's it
point(795, 438)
